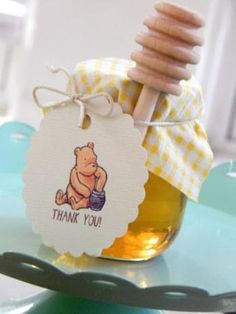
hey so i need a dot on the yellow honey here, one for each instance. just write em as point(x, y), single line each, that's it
point(158, 222)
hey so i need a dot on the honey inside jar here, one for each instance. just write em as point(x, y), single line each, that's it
point(158, 222)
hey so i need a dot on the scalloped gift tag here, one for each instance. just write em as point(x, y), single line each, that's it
point(83, 186)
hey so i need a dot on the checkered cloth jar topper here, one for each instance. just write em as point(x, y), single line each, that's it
point(179, 154)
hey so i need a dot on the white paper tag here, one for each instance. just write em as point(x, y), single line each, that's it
point(83, 186)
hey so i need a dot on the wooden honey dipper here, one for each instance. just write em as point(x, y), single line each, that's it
point(167, 49)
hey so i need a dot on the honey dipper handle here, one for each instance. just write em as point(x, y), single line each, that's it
point(168, 47)
point(145, 106)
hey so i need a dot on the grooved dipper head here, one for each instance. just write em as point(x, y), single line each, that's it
point(168, 47)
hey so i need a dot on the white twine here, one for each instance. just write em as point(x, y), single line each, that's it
point(81, 101)
point(165, 124)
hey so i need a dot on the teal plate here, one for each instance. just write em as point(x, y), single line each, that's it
point(198, 272)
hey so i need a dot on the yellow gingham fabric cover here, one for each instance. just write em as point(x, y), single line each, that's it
point(179, 154)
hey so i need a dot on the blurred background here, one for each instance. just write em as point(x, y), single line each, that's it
point(34, 34)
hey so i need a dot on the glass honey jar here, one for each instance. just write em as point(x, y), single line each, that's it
point(167, 189)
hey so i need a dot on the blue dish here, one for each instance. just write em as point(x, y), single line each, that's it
point(196, 274)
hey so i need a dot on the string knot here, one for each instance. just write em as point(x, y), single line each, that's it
point(104, 108)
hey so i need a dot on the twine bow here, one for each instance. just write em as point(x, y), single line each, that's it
point(104, 109)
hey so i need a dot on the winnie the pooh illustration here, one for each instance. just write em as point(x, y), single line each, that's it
point(86, 183)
